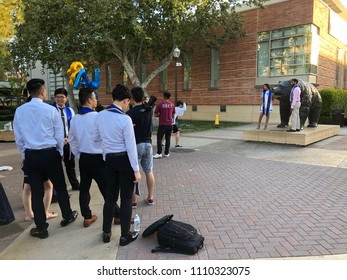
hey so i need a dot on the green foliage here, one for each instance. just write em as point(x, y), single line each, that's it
point(133, 31)
point(191, 126)
point(332, 99)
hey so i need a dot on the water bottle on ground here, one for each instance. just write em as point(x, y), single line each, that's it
point(137, 223)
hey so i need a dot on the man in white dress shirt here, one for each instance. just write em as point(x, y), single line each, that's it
point(86, 145)
point(39, 137)
point(122, 168)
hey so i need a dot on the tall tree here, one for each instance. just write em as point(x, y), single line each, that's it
point(57, 32)
point(10, 15)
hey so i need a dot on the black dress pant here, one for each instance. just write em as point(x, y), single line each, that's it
point(164, 130)
point(43, 164)
point(120, 179)
point(92, 166)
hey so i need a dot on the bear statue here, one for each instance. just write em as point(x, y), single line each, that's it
point(311, 103)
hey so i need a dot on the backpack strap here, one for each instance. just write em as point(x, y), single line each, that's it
point(169, 250)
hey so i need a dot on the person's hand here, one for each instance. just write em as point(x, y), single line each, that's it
point(65, 141)
point(137, 175)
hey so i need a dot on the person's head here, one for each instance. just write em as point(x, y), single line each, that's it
point(166, 95)
point(60, 96)
point(266, 87)
point(121, 95)
point(179, 103)
point(137, 94)
point(36, 88)
point(294, 81)
point(87, 98)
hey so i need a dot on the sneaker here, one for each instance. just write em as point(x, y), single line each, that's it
point(88, 222)
point(134, 205)
point(178, 146)
point(167, 155)
point(158, 156)
point(150, 202)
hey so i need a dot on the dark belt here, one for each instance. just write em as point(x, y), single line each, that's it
point(117, 154)
point(41, 150)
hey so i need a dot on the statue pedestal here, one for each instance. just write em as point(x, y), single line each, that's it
point(305, 137)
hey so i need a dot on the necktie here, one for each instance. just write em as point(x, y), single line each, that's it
point(63, 118)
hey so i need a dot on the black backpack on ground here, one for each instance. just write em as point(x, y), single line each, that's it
point(175, 237)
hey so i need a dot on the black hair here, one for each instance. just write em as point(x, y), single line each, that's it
point(178, 103)
point(121, 92)
point(166, 94)
point(295, 80)
point(60, 91)
point(34, 86)
point(84, 94)
point(137, 94)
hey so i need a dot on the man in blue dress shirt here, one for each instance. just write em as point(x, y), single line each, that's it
point(39, 136)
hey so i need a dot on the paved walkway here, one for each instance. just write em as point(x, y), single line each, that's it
point(249, 200)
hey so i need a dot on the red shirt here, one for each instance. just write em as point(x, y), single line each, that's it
point(166, 111)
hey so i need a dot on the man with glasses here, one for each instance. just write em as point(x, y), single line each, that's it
point(66, 113)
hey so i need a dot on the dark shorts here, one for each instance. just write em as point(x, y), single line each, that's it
point(175, 128)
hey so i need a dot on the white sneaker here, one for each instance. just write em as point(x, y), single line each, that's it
point(166, 155)
point(158, 156)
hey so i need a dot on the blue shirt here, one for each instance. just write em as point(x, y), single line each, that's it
point(38, 125)
point(117, 135)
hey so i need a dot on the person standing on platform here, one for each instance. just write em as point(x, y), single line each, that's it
point(39, 136)
point(266, 105)
point(122, 169)
point(60, 96)
point(295, 104)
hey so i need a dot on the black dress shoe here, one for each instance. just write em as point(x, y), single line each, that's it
point(123, 241)
point(106, 237)
point(298, 130)
point(76, 188)
point(65, 222)
point(291, 130)
point(39, 233)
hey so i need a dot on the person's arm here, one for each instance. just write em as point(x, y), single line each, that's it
point(18, 136)
point(73, 140)
point(58, 128)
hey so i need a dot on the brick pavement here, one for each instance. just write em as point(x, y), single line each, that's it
point(248, 208)
point(249, 200)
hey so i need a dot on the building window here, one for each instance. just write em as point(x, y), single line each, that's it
point(187, 70)
point(289, 51)
point(214, 82)
point(108, 79)
point(194, 108)
point(163, 79)
point(223, 108)
point(339, 67)
point(55, 81)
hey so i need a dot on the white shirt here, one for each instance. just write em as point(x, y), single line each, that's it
point(179, 112)
point(38, 125)
point(66, 124)
point(117, 135)
point(84, 136)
